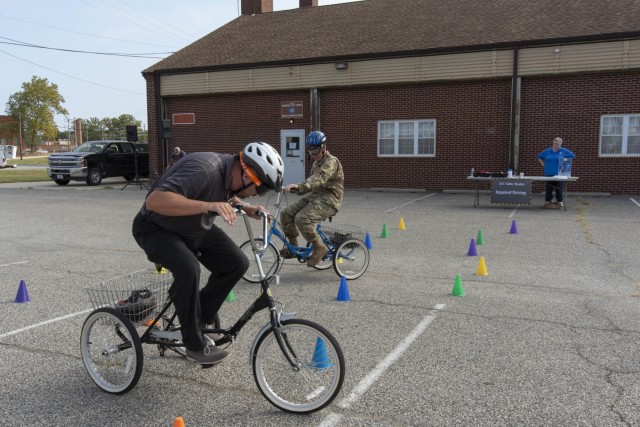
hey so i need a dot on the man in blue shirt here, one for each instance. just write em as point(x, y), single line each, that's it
point(550, 159)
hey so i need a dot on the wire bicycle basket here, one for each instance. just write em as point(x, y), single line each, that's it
point(138, 295)
point(338, 234)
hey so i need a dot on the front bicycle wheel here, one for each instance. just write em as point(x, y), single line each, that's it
point(351, 259)
point(111, 350)
point(270, 259)
point(316, 378)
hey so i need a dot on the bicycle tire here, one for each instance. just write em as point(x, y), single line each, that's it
point(324, 263)
point(316, 380)
point(111, 350)
point(351, 259)
point(271, 263)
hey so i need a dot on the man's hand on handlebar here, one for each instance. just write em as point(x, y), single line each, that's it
point(224, 210)
point(252, 211)
point(291, 188)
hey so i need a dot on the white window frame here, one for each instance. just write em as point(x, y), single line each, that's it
point(396, 137)
point(624, 135)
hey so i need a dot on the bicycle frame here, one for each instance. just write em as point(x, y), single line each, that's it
point(301, 252)
point(264, 300)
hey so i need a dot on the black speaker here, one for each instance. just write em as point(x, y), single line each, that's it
point(166, 128)
point(132, 133)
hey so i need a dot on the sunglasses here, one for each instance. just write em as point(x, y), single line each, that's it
point(260, 187)
point(314, 151)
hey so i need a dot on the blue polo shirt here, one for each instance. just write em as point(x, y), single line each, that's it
point(552, 159)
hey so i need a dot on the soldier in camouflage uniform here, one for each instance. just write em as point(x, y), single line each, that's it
point(326, 188)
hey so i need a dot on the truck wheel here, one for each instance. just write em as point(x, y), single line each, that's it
point(62, 181)
point(94, 177)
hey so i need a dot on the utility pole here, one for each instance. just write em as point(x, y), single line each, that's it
point(20, 131)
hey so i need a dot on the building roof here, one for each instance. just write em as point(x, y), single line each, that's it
point(387, 28)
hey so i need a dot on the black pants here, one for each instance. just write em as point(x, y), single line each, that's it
point(548, 191)
point(219, 254)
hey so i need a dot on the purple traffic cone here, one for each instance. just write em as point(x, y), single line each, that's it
point(472, 248)
point(514, 228)
point(22, 295)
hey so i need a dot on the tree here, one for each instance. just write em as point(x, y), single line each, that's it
point(94, 128)
point(111, 127)
point(35, 107)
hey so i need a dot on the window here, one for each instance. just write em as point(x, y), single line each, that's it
point(620, 135)
point(407, 138)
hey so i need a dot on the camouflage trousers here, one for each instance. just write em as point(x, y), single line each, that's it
point(303, 215)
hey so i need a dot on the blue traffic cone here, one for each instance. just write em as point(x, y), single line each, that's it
point(472, 248)
point(22, 295)
point(320, 359)
point(367, 242)
point(343, 292)
point(514, 228)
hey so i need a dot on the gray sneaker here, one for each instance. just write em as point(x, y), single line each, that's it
point(210, 355)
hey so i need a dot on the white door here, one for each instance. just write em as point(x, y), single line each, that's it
point(293, 154)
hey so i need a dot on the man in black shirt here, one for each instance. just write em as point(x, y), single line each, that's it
point(175, 223)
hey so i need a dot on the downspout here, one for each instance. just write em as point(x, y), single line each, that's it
point(161, 159)
point(314, 110)
point(514, 137)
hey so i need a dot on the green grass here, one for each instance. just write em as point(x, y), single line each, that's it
point(17, 175)
point(44, 160)
point(28, 175)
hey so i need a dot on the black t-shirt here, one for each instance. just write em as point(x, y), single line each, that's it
point(199, 176)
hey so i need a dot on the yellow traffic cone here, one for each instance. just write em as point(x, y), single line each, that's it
point(401, 225)
point(482, 268)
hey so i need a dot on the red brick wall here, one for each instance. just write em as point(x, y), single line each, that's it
point(571, 107)
point(472, 127)
point(472, 130)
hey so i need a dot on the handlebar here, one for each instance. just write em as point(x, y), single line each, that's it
point(266, 216)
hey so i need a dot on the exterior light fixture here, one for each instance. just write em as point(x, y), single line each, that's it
point(342, 65)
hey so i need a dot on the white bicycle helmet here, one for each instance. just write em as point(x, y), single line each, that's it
point(267, 164)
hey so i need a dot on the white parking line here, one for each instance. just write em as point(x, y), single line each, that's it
point(46, 322)
point(334, 419)
point(637, 204)
point(377, 372)
point(411, 201)
point(14, 263)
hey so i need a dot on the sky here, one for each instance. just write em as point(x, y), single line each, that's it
point(140, 32)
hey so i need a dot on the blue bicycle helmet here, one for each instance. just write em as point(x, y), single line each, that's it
point(316, 139)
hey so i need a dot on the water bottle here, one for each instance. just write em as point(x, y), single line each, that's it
point(509, 173)
point(472, 171)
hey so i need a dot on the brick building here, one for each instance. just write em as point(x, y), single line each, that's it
point(7, 135)
point(413, 93)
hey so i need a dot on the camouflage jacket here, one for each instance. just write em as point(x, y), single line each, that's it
point(326, 181)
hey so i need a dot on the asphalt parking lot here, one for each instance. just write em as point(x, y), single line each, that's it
point(548, 337)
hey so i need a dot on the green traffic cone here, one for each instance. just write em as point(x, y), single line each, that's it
point(479, 239)
point(231, 297)
point(457, 287)
point(385, 233)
